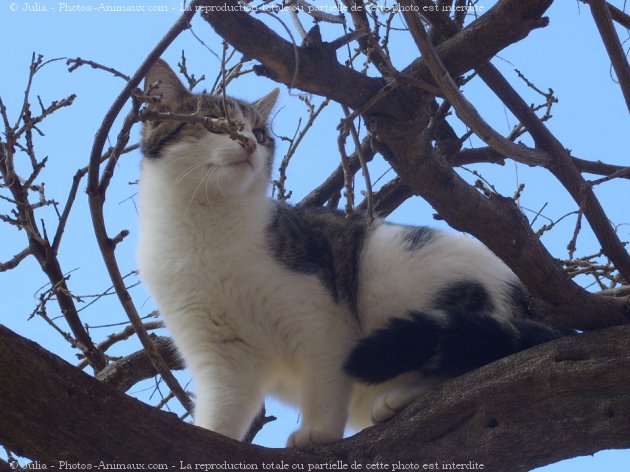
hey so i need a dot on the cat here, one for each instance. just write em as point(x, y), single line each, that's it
point(348, 320)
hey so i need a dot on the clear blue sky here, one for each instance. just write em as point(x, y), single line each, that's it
point(567, 56)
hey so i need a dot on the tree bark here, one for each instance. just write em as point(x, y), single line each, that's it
point(566, 398)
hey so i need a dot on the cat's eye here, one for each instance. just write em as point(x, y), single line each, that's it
point(260, 135)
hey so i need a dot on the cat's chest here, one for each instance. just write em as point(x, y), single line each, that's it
point(224, 265)
point(233, 263)
point(206, 256)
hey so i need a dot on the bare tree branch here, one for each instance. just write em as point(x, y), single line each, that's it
point(15, 261)
point(96, 198)
point(563, 167)
point(465, 110)
point(39, 245)
point(603, 20)
point(540, 394)
point(128, 371)
point(74, 64)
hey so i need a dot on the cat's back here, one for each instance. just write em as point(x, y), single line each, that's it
point(417, 268)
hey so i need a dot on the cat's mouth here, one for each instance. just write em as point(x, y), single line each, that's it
point(241, 162)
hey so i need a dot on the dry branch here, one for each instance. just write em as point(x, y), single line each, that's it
point(465, 111)
point(603, 20)
point(128, 371)
point(562, 165)
point(562, 399)
point(97, 185)
point(39, 245)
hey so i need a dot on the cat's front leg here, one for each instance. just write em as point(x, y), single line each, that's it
point(228, 396)
point(324, 407)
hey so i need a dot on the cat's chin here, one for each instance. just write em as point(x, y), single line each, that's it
point(235, 179)
point(245, 162)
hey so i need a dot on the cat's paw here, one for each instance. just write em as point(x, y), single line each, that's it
point(382, 411)
point(391, 403)
point(308, 437)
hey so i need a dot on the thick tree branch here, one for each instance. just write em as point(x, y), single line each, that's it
point(603, 20)
point(487, 154)
point(568, 394)
point(43, 399)
point(314, 68)
point(506, 23)
point(618, 15)
point(562, 399)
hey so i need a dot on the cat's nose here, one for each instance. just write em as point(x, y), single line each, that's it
point(248, 143)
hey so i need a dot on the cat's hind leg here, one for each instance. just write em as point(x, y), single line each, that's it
point(324, 388)
point(394, 400)
point(324, 408)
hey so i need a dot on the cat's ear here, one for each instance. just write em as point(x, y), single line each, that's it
point(160, 81)
point(266, 104)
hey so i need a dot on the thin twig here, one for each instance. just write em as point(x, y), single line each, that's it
point(122, 336)
point(621, 173)
point(220, 125)
point(259, 422)
point(348, 175)
point(74, 64)
point(96, 200)
point(364, 170)
point(313, 113)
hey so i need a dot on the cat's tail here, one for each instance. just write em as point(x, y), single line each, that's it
point(448, 346)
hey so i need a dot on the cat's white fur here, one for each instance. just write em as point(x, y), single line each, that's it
point(248, 326)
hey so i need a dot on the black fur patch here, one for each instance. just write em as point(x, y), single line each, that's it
point(463, 296)
point(402, 346)
point(532, 333)
point(417, 237)
point(322, 242)
point(463, 342)
point(520, 300)
point(475, 339)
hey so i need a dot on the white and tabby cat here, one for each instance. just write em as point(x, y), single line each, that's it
point(349, 322)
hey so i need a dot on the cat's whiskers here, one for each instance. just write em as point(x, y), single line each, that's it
point(186, 172)
point(207, 177)
point(201, 181)
point(219, 188)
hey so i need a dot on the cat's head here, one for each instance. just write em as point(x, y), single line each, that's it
point(197, 156)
